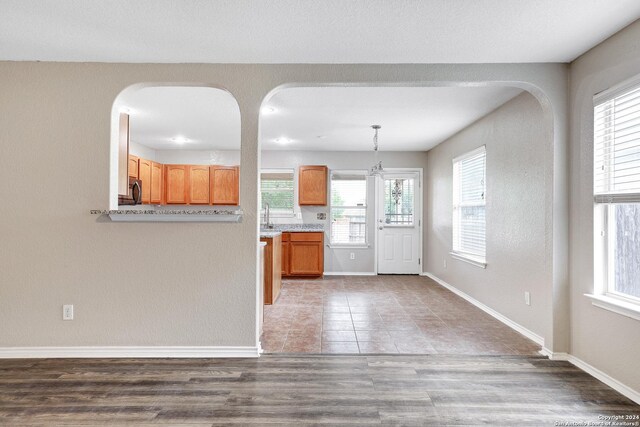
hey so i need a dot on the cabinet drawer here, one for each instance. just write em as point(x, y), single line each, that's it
point(286, 237)
point(306, 237)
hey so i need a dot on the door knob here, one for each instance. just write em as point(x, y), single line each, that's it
point(381, 228)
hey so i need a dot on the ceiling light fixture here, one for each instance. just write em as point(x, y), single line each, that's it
point(282, 140)
point(376, 169)
point(179, 140)
point(267, 110)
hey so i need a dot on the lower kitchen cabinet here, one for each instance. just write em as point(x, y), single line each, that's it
point(304, 254)
point(272, 266)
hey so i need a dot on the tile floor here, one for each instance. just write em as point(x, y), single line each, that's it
point(383, 314)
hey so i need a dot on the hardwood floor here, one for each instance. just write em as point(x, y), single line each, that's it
point(383, 314)
point(303, 390)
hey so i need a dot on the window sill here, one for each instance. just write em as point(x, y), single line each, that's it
point(478, 262)
point(616, 305)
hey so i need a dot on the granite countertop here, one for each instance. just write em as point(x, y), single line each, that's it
point(171, 215)
point(278, 229)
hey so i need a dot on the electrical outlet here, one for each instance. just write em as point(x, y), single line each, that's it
point(444, 263)
point(527, 298)
point(352, 255)
point(67, 312)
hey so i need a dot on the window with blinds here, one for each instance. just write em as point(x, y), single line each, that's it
point(348, 208)
point(276, 189)
point(617, 191)
point(469, 194)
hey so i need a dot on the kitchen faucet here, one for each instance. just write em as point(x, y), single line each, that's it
point(266, 216)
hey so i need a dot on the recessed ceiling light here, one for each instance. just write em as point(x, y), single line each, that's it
point(179, 140)
point(267, 110)
point(321, 136)
point(282, 140)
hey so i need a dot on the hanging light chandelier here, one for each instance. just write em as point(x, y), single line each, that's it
point(376, 169)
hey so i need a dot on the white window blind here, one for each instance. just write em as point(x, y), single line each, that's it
point(617, 147)
point(469, 194)
point(616, 179)
point(276, 188)
point(348, 208)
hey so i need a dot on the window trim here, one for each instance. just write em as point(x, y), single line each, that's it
point(602, 296)
point(471, 258)
point(364, 208)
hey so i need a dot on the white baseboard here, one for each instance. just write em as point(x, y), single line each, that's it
point(510, 323)
point(349, 273)
point(125, 352)
point(596, 373)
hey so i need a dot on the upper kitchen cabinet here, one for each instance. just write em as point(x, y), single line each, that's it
point(157, 175)
point(144, 175)
point(224, 182)
point(172, 139)
point(176, 183)
point(312, 186)
point(133, 166)
point(198, 185)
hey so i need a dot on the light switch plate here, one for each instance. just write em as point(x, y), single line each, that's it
point(67, 312)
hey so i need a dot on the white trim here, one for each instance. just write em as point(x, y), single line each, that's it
point(128, 351)
point(477, 261)
point(596, 373)
point(510, 323)
point(615, 305)
point(469, 154)
point(349, 273)
point(608, 94)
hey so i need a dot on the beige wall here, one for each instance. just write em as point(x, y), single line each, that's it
point(606, 340)
point(517, 256)
point(168, 284)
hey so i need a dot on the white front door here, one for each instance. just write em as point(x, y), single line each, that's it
point(398, 222)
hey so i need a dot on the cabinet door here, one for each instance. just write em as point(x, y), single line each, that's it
point(199, 185)
point(156, 183)
point(133, 166)
point(312, 185)
point(144, 175)
point(176, 177)
point(225, 185)
point(306, 258)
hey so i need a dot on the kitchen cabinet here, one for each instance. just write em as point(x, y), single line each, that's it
point(312, 185)
point(198, 185)
point(133, 166)
point(303, 254)
point(176, 183)
point(156, 183)
point(272, 268)
point(224, 184)
point(144, 175)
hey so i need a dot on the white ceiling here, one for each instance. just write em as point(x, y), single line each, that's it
point(340, 118)
point(295, 31)
point(208, 118)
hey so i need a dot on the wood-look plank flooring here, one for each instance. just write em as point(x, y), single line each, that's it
point(388, 314)
point(296, 390)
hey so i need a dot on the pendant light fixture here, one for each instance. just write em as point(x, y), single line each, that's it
point(376, 169)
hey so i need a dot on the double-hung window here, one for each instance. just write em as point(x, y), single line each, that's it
point(469, 195)
point(276, 189)
point(348, 208)
point(617, 195)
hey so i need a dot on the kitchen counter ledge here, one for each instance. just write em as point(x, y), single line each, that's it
point(166, 215)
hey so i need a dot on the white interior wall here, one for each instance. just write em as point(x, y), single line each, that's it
point(606, 340)
point(516, 254)
point(170, 284)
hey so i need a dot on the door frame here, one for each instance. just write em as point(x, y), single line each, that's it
point(376, 242)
